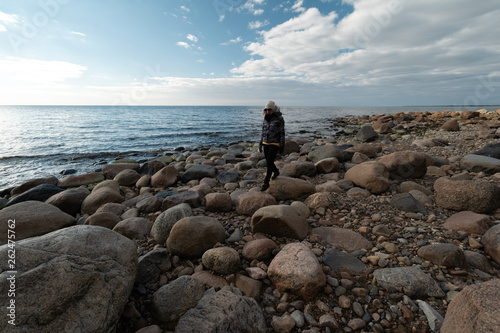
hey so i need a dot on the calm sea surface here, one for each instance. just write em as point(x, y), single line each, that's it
point(37, 141)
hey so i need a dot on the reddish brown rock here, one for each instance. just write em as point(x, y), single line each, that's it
point(100, 197)
point(406, 164)
point(371, 175)
point(166, 177)
point(369, 149)
point(327, 165)
point(491, 243)
point(69, 201)
point(284, 188)
point(79, 180)
point(295, 268)
point(448, 255)
point(211, 280)
point(478, 196)
point(474, 310)
point(32, 218)
point(280, 221)
point(451, 126)
point(222, 260)
point(111, 170)
point(218, 202)
point(103, 219)
point(297, 169)
point(259, 249)
point(134, 228)
point(248, 203)
point(191, 236)
point(469, 222)
point(127, 177)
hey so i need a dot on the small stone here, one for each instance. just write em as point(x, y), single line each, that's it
point(344, 302)
point(356, 324)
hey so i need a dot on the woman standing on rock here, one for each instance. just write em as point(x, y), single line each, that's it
point(272, 140)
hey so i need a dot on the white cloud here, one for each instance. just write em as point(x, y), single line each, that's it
point(399, 47)
point(2, 28)
point(192, 38)
point(233, 41)
point(250, 6)
point(184, 8)
point(23, 70)
point(8, 18)
point(184, 45)
point(81, 34)
point(298, 6)
point(257, 24)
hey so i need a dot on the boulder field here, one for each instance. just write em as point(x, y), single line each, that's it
point(391, 225)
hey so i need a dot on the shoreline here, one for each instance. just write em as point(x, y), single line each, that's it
point(348, 300)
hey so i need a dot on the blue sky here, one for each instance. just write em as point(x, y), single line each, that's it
point(244, 52)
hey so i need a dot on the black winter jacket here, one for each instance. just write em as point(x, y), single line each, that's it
point(273, 129)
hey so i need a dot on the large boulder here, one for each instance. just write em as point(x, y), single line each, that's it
point(27, 185)
point(343, 239)
point(474, 310)
point(69, 201)
point(218, 202)
point(111, 170)
point(280, 221)
point(103, 219)
point(77, 279)
point(340, 261)
point(284, 188)
point(491, 150)
point(406, 164)
point(478, 163)
point(151, 265)
point(408, 203)
point(478, 196)
point(222, 260)
point(192, 198)
point(127, 177)
point(491, 243)
point(248, 203)
point(191, 236)
point(186, 291)
point(134, 227)
point(79, 180)
point(259, 249)
point(448, 255)
point(296, 268)
point(327, 165)
point(297, 169)
point(100, 197)
point(371, 175)
point(165, 177)
point(223, 311)
point(366, 134)
point(32, 218)
point(469, 222)
point(198, 172)
point(38, 193)
point(369, 149)
point(408, 280)
point(166, 220)
point(326, 151)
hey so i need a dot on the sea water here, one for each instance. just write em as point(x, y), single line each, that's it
point(37, 141)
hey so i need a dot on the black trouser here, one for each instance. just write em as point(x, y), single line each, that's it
point(270, 152)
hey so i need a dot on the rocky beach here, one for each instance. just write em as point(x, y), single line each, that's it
point(391, 225)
